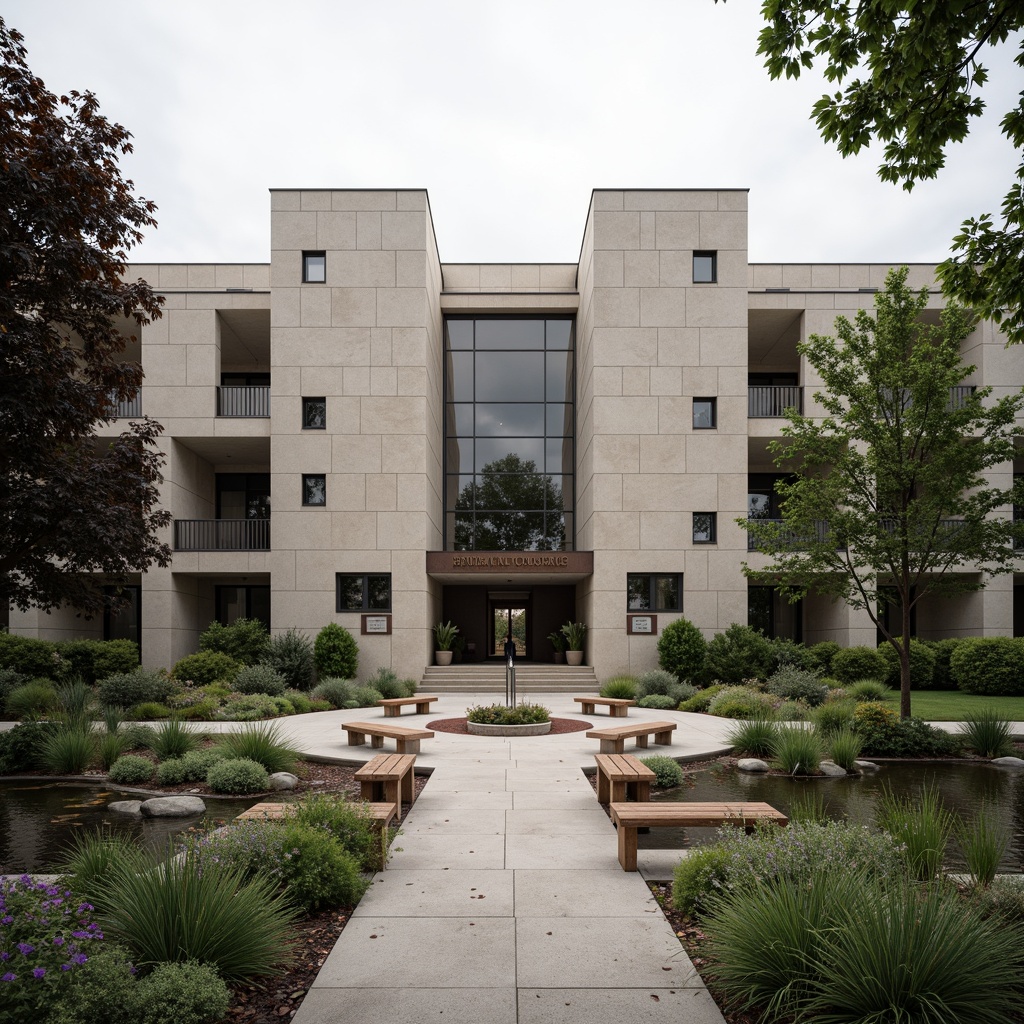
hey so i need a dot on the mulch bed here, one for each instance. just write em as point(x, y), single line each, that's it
point(558, 725)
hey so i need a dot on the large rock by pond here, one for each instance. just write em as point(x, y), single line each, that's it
point(866, 766)
point(172, 807)
point(125, 806)
point(283, 780)
point(751, 764)
point(832, 770)
point(1009, 762)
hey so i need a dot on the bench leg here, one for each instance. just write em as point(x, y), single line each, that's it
point(618, 791)
point(376, 742)
point(664, 738)
point(424, 708)
point(587, 709)
point(603, 793)
point(356, 739)
point(613, 746)
point(627, 847)
point(370, 791)
point(618, 710)
point(408, 787)
point(642, 791)
point(642, 741)
point(392, 711)
point(406, 746)
point(392, 795)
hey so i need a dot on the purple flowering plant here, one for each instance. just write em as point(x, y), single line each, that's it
point(45, 934)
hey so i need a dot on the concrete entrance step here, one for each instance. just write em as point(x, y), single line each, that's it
point(490, 678)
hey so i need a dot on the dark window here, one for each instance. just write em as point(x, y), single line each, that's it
point(243, 602)
point(654, 592)
point(314, 413)
point(243, 495)
point(705, 413)
point(245, 380)
point(705, 529)
point(314, 267)
point(762, 500)
point(364, 593)
point(314, 489)
point(125, 621)
point(509, 434)
point(705, 267)
point(774, 615)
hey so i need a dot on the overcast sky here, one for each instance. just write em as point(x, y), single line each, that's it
point(508, 114)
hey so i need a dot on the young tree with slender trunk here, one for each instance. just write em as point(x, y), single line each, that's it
point(889, 502)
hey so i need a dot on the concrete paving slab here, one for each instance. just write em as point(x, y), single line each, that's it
point(489, 799)
point(584, 952)
point(409, 1006)
point(599, 893)
point(466, 784)
point(579, 852)
point(452, 820)
point(410, 952)
point(432, 893)
point(590, 821)
point(658, 865)
point(539, 786)
point(539, 800)
point(616, 1006)
point(455, 851)
point(568, 774)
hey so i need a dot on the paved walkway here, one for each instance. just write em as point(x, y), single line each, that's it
point(505, 902)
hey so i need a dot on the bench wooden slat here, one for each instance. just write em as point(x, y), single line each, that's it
point(632, 816)
point(388, 777)
point(618, 707)
point(613, 737)
point(620, 776)
point(393, 705)
point(406, 740)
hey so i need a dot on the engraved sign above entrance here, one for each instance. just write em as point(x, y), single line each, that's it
point(540, 566)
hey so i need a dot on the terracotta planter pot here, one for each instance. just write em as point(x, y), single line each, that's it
point(443, 657)
point(574, 657)
point(558, 657)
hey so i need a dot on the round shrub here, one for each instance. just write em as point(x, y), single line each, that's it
point(21, 748)
point(150, 711)
point(700, 873)
point(739, 702)
point(138, 737)
point(389, 685)
point(793, 711)
point(620, 687)
point(259, 679)
point(853, 663)
point(922, 665)
point(868, 690)
point(788, 653)
point(942, 677)
point(196, 763)
point(245, 640)
point(667, 772)
point(186, 993)
point(112, 656)
point(35, 699)
point(299, 701)
point(337, 691)
point(28, 655)
point(238, 775)
point(206, 667)
point(656, 681)
point(739, 653)
point(249, 707)
point(126, 689)
point(10, 679)
point(319, 872)
point(202, 710)
point(821, 656)
point(796, 684)
point(336, 652)
point(887, 735)
point(291, 653)
point(131, 770)
point(682, 649)
point(365, 696)
point(989, 666)
point(701, 699)
point(658, 701)
point(170, 772)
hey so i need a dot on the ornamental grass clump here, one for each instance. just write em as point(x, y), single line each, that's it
point(620, 687)
point(797, 750)
point(987, 734)
point(46, 935)
point(70, 749)
point(921, 825)
point(173, 739)
point(186, 910)
point(844, 746)
point(93, 854)
point(498, 714)
point(260, 742)
point(755, 737)
point(983, 841)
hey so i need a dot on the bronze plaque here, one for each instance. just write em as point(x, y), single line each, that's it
point(470, 562)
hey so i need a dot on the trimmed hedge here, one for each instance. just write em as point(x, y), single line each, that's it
point(738, 654)
point(922, 665)
point(682, 650)
point(991, 666)
point(942, 677)
point(335, 652)
point(853, 663)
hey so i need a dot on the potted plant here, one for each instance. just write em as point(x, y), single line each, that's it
point(444, 637)
point(558, 642)
point(499, 720)
point(575, 634)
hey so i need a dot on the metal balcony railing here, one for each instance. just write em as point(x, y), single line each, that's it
point(221, 534)
point(958, 395)
point(252, 401)
point(127, 409)
point(772, 401)
point(792, 539)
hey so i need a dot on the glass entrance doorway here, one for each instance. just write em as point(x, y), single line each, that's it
point(508, 620)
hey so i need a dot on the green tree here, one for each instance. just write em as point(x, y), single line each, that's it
point(916, 74)
point(890, 503)
point(518, 508)
point(72, 506)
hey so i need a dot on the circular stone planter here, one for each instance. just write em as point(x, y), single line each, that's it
point(532, 729)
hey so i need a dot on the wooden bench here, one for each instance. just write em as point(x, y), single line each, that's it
point(381, 813)
point(632, 816)
point(407, 741)
point(388, 777)
point(618, 707)
point(613, 737)
point(393, 705)
point(622, 776)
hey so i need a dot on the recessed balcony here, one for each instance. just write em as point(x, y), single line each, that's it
point(244, 401)
point(791, 539)
point(221, 534)
point(770, 401)
point(128, 408)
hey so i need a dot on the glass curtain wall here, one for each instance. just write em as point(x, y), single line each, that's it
point(509, 434)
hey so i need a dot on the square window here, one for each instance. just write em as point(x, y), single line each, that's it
point(314, 414)
point(705, 413)
point(314, 267)
point(314, 489)
point(363, 592)
point(705, 528)
point(654, 592)
point(705, 267)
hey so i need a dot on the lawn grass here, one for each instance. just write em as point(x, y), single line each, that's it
point(954, 706)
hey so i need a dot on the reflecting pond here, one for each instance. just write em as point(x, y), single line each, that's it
point(38, 820)
point(964, 787)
